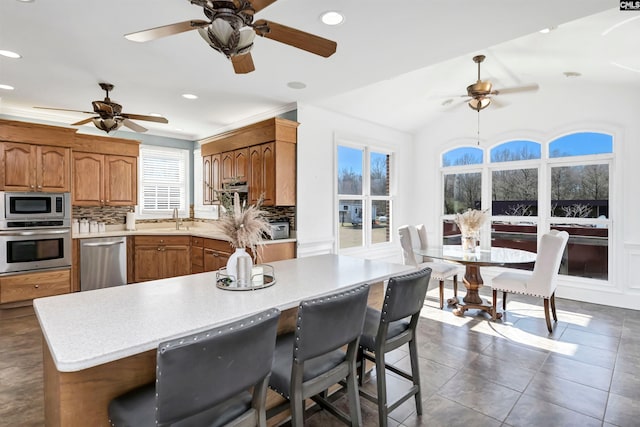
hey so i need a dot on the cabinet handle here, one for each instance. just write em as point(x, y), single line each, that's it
point(161, 241)
point(159, 248)
point(33, 186)
point(107, 201)
point(39, 187)
point(36, 286)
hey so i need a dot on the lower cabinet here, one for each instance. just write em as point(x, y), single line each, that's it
point(197, 255)
point(216, 254)
point(24, 287)
point(160, 257)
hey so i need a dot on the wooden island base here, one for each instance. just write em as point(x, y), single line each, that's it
point(81, 398)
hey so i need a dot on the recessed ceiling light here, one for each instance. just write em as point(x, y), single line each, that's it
point(6, 87)
point(332, 17)
point(26, 1)
point(189, 96)
point(178, 129)
point(547, 30)
point(10, 54)
point(155, 114)
point(571, 74)
point(296, 85)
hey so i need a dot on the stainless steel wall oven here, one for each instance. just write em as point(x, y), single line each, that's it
point(35, 231)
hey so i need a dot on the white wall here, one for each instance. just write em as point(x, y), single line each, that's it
point(551, 112)
point(316, 210)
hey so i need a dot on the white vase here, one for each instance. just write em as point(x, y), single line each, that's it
point(469, 242)
point(239, 267)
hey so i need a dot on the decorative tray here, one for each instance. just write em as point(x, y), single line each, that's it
point(262, 276)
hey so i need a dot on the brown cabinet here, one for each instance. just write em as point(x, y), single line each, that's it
point(211, 168)
point(29, 167)
point(272, 173)
point(160, 257)
point(104, 180)
point(197, 255)
point(234, 165)
point(23, 287)
point(216, 254)
point(264, 155)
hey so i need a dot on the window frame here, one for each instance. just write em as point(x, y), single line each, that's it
point(366, 197)
point(183, 154)
point(544, 220)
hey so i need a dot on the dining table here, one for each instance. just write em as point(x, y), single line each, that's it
point(472, 261)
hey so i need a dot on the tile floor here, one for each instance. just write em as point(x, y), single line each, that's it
point(474, 372)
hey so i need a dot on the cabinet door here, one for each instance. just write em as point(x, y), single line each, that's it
point(228, 172)
point(207, 189)
point(268, 157)
point(256, 188)
point(52, 169)
point(148, 262)
point(215, 180)
point(214, 260)
point(19, 167)
point(88, 172)
point(25, 287)
point(177, 261)
point(241, 159)
point(121, 180)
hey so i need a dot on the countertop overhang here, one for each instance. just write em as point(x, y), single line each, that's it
point(86, 329)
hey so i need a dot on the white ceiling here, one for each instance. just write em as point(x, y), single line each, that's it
point(395, 64)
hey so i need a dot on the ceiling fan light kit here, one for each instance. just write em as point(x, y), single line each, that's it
point(107, 124)
point(231, 30)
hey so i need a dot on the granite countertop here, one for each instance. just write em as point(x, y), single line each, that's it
point(86, 329)
point(196, 229)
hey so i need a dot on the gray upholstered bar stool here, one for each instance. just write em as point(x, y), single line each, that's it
point(203, 379)
point(310, 360)
point(389, 329)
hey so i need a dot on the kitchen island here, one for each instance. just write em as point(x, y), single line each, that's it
point(102, 343)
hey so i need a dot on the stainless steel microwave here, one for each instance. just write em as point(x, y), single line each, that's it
point(35, 206)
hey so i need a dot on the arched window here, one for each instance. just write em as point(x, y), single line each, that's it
point(530, 190)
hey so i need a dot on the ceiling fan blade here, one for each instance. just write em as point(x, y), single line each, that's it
point(498, 103)
point(102, 107)
point(64, 109)
point(133, 126)
point(258, 5)
point(516, 89)
point(243, 64)
point(147, 118)
point(296, 38)
point(82, 122)
point(165, 30)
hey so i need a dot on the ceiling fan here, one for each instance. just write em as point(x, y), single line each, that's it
point(230, 30)
point(110, 116)
point(481, 93)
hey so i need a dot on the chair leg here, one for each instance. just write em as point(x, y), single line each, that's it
point(455, 285)
point(495, 303)
point(354, 398)
point(546, 314)
point(362, 365)
point(381, 382)
point(504, 301)
point(415, 374)
point(553, 306)
point(441, 294)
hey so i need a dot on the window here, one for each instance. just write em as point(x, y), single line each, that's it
point(364, 197)
point(164, 184)
point(530, 191)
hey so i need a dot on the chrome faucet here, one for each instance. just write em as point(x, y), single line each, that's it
point(177, 218)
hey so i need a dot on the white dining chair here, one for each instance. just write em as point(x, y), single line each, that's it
point(415, 237)
point(542, 281)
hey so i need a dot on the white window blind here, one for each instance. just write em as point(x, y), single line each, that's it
point(164, 179)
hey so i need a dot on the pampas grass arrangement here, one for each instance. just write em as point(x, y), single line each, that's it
point(243, 225)
point(471, 221)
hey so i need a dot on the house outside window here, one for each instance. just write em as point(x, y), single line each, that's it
point(364, 198)
point(163, 182)
point(531, 188)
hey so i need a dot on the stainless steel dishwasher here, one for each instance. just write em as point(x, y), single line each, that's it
point(103, 262)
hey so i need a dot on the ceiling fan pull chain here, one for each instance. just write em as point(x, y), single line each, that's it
point(478, 127)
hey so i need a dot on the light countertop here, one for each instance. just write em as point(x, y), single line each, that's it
point(86, 329)
point(196, 229)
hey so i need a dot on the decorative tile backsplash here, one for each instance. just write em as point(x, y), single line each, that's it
point(114, 215)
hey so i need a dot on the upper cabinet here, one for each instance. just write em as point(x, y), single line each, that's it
point(35, 157)
point(262, 154)
point(105, 171)
point(104, 180)
point(30, 167)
